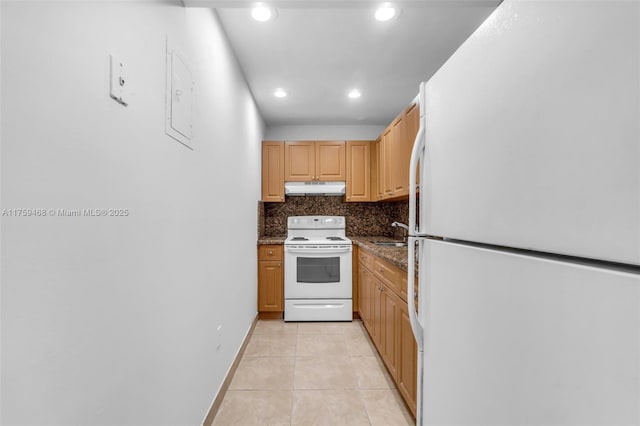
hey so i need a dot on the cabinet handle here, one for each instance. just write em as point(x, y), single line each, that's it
point(270, 252)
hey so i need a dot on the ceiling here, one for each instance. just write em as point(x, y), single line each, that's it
point(319, 50)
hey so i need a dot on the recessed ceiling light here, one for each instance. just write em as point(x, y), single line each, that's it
point(280, 93)
point(354, 94)
point(385, 12)
point(262, 13)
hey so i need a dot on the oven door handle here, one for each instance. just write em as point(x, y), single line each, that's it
point(328, 250)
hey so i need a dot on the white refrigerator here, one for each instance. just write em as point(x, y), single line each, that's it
point(528, 221)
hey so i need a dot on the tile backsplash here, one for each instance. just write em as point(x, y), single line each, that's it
point(362, 218)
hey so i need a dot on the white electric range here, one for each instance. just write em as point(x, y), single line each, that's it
point(317, 269)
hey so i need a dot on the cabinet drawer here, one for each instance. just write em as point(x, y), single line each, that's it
point(366, 259)
point(270, 252)
point(388, 274)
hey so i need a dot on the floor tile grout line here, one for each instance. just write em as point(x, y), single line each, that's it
point(364, 405)
point(348, 356)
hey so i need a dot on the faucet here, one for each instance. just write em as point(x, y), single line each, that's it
point(403, 226)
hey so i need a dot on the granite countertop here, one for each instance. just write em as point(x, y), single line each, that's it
point(271, 240)
point(397, 256)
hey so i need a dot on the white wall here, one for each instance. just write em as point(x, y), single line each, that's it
point(111, 320)
point(319, 132)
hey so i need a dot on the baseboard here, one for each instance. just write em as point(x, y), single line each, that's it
point(215, 406)
point(270, 315)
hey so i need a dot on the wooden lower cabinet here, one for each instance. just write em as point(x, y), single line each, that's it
point(270, 281)
point(408, 360)
point(385, 316)
point(365, 294)
point(390, 343)
point(377, 309)
point(355, 281)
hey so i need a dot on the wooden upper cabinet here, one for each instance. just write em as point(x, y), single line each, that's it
point(380, 168)
point(373, 174)
point(394, 155)
point(273, 171)
point(307, 161)
point(387, 162)
point(299, 161)
point(411, 127)
point(331, 161)
point(358, 171)
point(400, 159)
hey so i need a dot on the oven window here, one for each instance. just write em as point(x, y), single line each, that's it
point(318, 270)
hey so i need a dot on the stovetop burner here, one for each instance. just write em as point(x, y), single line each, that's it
point(311, 231)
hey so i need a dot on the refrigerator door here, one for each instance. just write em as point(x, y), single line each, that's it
point(520, 340)
point(532, 132)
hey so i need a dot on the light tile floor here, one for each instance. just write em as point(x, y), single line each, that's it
point(311, 374)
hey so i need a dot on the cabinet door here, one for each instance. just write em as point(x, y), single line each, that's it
point(270, 286)
point(407, 348)
point(411, 127)
point(381, 171)
point(377, 313)
point(400, 159)
point(387, 162)
point(358, 171)
point(355, 279)
point(374, 169)
point(273, 171)
point(390, 337)
point(330, 164)
point(366, 293)
point(299, 161)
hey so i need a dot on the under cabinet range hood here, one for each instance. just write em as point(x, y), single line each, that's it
point(314, 188)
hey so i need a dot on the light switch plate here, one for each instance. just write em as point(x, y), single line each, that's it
point(118, 80)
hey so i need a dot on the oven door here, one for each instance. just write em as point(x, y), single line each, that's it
point(317, 272)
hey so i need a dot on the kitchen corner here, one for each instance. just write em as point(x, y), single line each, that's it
point(377, 274)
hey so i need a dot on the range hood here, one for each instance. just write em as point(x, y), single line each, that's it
point(314, 188)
